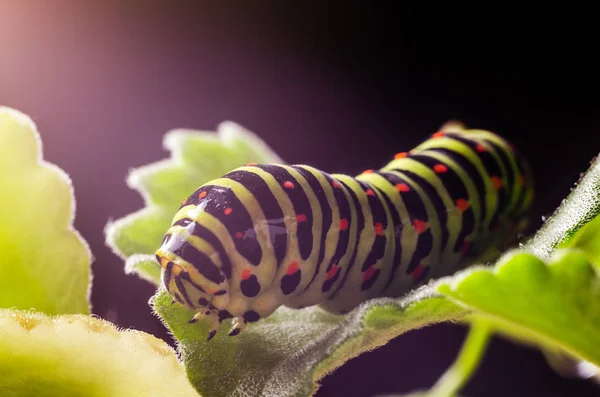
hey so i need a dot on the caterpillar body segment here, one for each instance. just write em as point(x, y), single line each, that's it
point(267, 235)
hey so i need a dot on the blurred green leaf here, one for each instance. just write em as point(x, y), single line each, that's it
point(78, 355)
point(45, 263)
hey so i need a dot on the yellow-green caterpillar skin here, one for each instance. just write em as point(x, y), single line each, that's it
point(263, 236)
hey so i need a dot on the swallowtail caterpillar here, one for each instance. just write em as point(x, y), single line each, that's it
point(266, 235)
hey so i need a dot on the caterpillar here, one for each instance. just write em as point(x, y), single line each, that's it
point(267, 235)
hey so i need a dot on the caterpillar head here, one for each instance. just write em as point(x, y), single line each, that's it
point(191, 269)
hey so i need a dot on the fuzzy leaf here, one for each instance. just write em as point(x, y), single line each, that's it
point(556, 305)
point(145, 266)
point(578, 209)
point(286, 353)
point(196, 158)
point(45, 263)
point(78, 355)
point(588, 240)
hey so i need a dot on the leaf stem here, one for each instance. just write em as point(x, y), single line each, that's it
point(468, 359)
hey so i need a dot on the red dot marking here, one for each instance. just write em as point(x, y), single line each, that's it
point(466, 245)
point(288, 185)
point(440, 168)
point(292, 268)
point(512, 147)
point(521, 180)
point(418, 271)
point(438, 134)
point(369, 273)
point(300, 218)
point(420, 226)
point(227, 211)
point(369, 192)
point(239, 235)
point(183, 202)
point(480, 148)
point(335, 184)
point(343, 224)
point(334, 269)
point(402, 187)
point(246, 273)
point(462, 204)
point(251, 164)
point(497, 182)
point(202, 194)
point(367, 171)
point(379, 229)
point(400, 155)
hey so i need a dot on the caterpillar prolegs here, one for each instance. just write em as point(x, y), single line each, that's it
point(266, 235)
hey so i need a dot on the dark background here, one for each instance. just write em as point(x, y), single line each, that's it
point(342, 87)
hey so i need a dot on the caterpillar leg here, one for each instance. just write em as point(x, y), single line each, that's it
point(213, 316)
point(238, 326)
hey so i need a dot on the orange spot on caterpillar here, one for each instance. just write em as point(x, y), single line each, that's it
point(497, 182)
point(288, 185)
point(521, 180)
point(378, 229)
point(202, 194)
point(343, 224)
point(369, 273)
point(462, 204)
point(369, 192)
point(402, 187)
point(440, 168)
point(334, 269)
point(367, 171)
point(335, 184)
point(245, 275)
point(300, 218)
point(292, 268)
point(420, 226)
point(239, 235)
point(438, 134)
point(227, 211)
point(251, 164)
point(418, 271)
point(400, 155)
point(480, 148)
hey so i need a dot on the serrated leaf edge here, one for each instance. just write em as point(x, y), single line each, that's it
point(41, 162)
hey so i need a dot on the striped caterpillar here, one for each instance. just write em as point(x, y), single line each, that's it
point(266, 235)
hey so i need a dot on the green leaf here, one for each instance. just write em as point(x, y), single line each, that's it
point(145, 266)
point(588, 240)
point(45, 263)
point(578, 209)
point(196, 158)
point(556, 305)
point(286, 353)
point(78, 355)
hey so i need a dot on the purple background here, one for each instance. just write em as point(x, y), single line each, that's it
point(340, 87)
